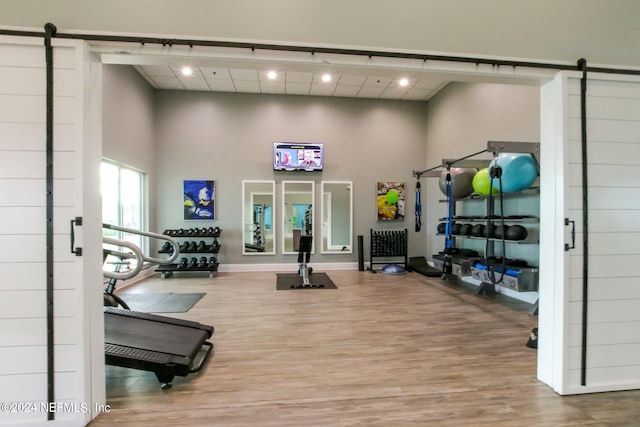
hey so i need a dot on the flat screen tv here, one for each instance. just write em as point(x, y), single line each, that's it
point(298, 156)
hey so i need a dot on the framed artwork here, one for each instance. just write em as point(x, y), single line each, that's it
point(199, 200)
point(390, 199)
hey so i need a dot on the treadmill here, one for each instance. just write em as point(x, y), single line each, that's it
point(163, 345)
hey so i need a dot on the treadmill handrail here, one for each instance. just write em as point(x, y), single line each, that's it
point(154, 260)
point(137, 254)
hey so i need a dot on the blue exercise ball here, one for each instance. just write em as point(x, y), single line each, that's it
point(519, 171)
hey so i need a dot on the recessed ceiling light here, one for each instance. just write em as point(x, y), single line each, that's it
point(326, 78)
point(404, 82)
point(187, 71)
point(272, 75)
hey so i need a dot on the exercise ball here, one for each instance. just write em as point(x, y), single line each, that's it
point(481, 183)
point(461, 179)
point(519, 171)
point(516, 232)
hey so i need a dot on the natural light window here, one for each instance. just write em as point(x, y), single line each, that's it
point(122, 200)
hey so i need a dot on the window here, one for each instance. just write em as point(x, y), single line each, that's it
point(122, 200)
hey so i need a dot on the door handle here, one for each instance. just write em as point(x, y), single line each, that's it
point(74, 250)
point(567, 222)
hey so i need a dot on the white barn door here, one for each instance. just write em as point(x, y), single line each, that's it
point(78, 329)
point(612, 358)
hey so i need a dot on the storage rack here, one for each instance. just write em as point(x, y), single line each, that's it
point(388, 244)
point(193, 247)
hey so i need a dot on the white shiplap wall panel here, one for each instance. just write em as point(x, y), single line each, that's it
point(32, 276)
point(608, 311)
point(28, 332)
point(602, 379)
point(17, 304)
point(23, 220)
point(609, 355)
point(29, 136)
point(613, 339)
point(23, 108)
point(605, 288)
point(25, 193)
point(602, 334)
point(34, 359)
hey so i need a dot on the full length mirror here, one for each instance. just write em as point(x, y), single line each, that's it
point(297, 213)
point(257, 220)
point(337, 217)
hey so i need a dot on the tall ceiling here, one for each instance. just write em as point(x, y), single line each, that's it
point(352, 83)
point(276, 72)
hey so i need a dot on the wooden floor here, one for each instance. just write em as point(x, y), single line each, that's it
point(380, 350)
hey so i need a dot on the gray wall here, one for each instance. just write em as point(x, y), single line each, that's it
point(128, 125)
point(461, 119)
point(229, 138)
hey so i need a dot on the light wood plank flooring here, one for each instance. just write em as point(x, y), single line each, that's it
point(380, 350)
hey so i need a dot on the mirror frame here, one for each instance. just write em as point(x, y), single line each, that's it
point(284, 214)
point(323, 209)
point(247, 214)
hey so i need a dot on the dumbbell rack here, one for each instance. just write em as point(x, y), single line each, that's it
point(388, 244)
point(197, 243)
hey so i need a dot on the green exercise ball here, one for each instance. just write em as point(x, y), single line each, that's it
point(482, 183)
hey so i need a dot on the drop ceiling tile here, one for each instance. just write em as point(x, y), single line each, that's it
point(168, 83)
point(377, 81)
point(215, 73)
point(194, 83)
point(263, 76)
point(298, 88)
point(221, 85)
point(250, 86)
point(317, 78)
point(178, 72)
point(242, 74)
point(416, 94)
point(429, 83)
point(158, 70)
point(272, 87)
point(299, 77)
point(345, 90)
point(352, 80)
point(370, 92)
point(322, 89)
point(394, 92)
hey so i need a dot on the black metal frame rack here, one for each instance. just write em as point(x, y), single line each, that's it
point(389, 244)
